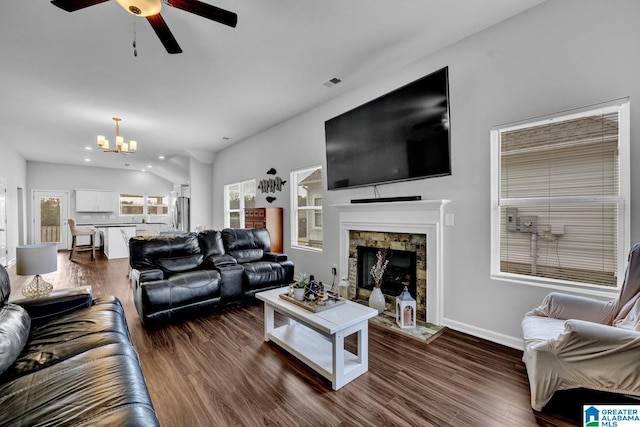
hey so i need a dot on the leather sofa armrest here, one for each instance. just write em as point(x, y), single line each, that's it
point(274, 257)
point(222, 260)
point(58, 302)
point(139, 276)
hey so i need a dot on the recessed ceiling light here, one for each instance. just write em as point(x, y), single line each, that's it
point(161, 157)
point(87, 160)
point(88, 148)
point(143, 170)
point(149, 166)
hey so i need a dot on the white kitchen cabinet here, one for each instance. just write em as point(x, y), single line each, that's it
point(96, 201)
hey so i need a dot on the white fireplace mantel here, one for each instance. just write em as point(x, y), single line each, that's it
point(418, 217)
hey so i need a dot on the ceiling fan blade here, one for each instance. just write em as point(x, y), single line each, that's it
point(206, 11)
point(73, 5)
point(164, 34)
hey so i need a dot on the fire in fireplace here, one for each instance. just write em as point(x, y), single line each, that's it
point(401, 270)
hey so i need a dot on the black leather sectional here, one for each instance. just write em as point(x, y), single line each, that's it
point(175, 275)
point(67, 360)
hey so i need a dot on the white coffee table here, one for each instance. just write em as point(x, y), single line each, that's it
point(317, 339)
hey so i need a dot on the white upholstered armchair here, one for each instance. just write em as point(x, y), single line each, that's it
point(579, 342)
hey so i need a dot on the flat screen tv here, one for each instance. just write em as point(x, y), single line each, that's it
point(402, 135)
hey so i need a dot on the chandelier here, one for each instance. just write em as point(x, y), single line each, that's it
point(121, 146)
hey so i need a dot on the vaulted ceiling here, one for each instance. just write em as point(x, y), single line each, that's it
point(65, 75)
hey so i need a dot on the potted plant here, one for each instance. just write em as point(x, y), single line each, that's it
point(299, 284)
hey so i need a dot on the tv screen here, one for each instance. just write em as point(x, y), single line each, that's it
point(399, 136)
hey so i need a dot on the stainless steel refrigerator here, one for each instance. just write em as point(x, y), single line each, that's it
point(181, 214)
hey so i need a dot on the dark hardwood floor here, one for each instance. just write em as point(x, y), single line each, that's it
point(216, 370)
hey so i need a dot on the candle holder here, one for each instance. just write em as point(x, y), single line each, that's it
point(405, 310)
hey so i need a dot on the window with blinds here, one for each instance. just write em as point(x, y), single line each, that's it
point(561, 197)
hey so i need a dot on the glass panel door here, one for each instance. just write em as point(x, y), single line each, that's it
point(50, 213)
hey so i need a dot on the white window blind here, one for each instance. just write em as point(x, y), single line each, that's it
point(560, 205)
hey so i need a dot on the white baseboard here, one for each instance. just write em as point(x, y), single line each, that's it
point(509, 341)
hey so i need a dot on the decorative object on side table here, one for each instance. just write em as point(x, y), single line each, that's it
point(405, 310)
point(376, 299)
point(36, 260)
point(344, 288)
point(311, 295)
point(314, 290)
point(299, 286)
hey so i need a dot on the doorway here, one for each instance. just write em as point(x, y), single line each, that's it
point(50, 213)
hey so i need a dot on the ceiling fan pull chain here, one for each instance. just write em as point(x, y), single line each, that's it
point(135, 51)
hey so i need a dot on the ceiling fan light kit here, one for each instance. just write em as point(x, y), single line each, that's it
point(150, 9)
point(121, 146)
point(141, 7)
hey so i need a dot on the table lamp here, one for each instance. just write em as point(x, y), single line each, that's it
point(36, 260)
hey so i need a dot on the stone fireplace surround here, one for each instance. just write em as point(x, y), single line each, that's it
point(416, 217)
point(415, 243)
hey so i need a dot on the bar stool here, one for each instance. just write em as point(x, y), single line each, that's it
point(81, 231)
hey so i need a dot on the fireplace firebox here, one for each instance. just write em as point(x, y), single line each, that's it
point(400, 272)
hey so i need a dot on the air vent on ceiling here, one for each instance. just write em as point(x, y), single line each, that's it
point(334, 81)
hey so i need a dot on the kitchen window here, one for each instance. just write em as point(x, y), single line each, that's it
point(136, 204)
point(560, 199)
point(158, 205)
point(131, 204)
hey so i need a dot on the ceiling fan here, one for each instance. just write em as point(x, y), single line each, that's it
point(150, 9)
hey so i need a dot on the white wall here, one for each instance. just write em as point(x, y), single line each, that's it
point(13, 168)
point(54, 176)
point(201, 203)
point(559, 55)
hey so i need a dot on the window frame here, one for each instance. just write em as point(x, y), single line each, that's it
point(241, 208)
point(163, 205)
point(130, 195)
point(622, 200)
point(145, 205)
point(293, 178)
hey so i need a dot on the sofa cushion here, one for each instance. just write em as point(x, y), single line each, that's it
point(101, 386)
point(145, 251)
point(263, 273)
point(181, 289)
point(247, 255)
point(211, 243)
point(246, 244)
point(178, 264)
point(70, 334)
point(14, 333)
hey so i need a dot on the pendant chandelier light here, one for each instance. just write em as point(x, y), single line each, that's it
point(121, 146)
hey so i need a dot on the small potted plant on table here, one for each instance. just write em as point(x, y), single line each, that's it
point(299, 285)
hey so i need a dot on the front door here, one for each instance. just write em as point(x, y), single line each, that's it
point(50, 212)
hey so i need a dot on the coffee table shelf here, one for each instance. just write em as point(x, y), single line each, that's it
point(317, 339)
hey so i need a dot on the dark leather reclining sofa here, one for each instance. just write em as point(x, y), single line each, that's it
point(176, 275)
point(67, 359)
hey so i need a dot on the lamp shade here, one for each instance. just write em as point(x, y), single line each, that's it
point(36, 259)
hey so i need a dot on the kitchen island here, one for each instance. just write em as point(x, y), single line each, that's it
point(113, 238)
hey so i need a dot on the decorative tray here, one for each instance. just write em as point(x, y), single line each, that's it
point(332, 301)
